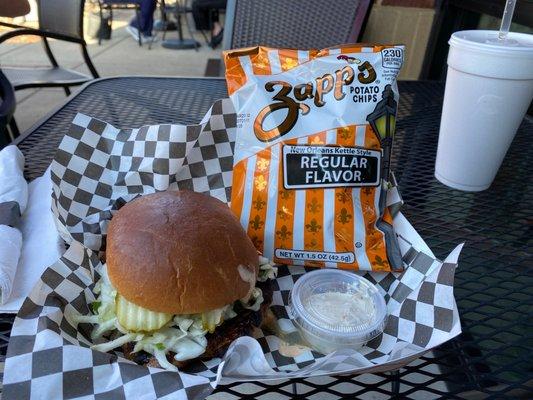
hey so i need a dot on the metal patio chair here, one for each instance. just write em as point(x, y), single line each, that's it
point(110, 5)
point(180, 9)
point(61, 20)
point(299, 24)
point(8, 127)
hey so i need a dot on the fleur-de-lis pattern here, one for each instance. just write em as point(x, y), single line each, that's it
point(283, 233)
point(260, 183)
point(345, 133)
point(262, 164)
point(316, 140)
point(256, 223)
point(313, 226)
point(283, 214)
point(344, 196)
point(258, 242)
point(289, 63)
point(285, 194)
point(314, 206)
point(259, 203)
point(381, 262)
point(344, 217)
point(312, 244)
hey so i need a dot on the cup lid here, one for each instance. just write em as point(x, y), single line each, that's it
point(338, 304)
point(518, 44)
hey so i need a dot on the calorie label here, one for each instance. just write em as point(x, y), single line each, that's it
point(291, 254)
point(392, 58)
point(327, 166)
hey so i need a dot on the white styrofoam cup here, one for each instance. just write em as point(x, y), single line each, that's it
point(489, 87)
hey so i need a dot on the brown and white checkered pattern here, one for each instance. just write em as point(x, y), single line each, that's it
point(414, 315)
point(97, 169)
point(49, 356)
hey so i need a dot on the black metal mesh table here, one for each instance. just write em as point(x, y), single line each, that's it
point(492, 357)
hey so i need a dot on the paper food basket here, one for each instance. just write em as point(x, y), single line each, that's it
point(96, 170)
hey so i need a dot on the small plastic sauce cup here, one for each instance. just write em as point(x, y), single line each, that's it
point(318, 328)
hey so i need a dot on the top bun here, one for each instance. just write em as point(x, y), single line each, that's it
point(180, 252)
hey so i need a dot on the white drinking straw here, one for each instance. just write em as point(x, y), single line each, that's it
point(506, 19)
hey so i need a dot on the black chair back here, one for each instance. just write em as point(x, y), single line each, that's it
point(63, 17)
point(301, 24)
point(7, 109)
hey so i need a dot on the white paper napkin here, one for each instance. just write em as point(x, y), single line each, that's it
point(41, 245)
point(13, 186)
point(10, 244)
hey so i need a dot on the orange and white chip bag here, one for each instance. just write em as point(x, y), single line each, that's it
point(312, 151)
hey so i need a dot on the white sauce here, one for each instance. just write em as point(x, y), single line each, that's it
point(247, 274)
point(342, 309)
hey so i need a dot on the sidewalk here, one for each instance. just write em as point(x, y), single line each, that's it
point(119, 56)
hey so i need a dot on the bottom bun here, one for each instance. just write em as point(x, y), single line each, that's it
point(218, 341)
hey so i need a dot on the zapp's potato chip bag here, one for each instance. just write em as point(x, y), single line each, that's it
point(314, 134)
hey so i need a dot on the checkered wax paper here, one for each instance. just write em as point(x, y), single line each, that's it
point(97, 169)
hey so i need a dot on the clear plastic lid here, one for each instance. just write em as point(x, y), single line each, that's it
point(337, 305)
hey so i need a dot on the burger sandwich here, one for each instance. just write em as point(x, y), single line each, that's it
point(181, 281)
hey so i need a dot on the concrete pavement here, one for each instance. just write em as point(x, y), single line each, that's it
point(119, 56)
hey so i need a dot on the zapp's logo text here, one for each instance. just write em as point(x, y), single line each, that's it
point(311, 90)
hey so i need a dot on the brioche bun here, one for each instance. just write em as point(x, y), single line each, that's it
point(179, 252)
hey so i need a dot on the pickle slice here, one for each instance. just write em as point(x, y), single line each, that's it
point(211, 319)
point(135, 318)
